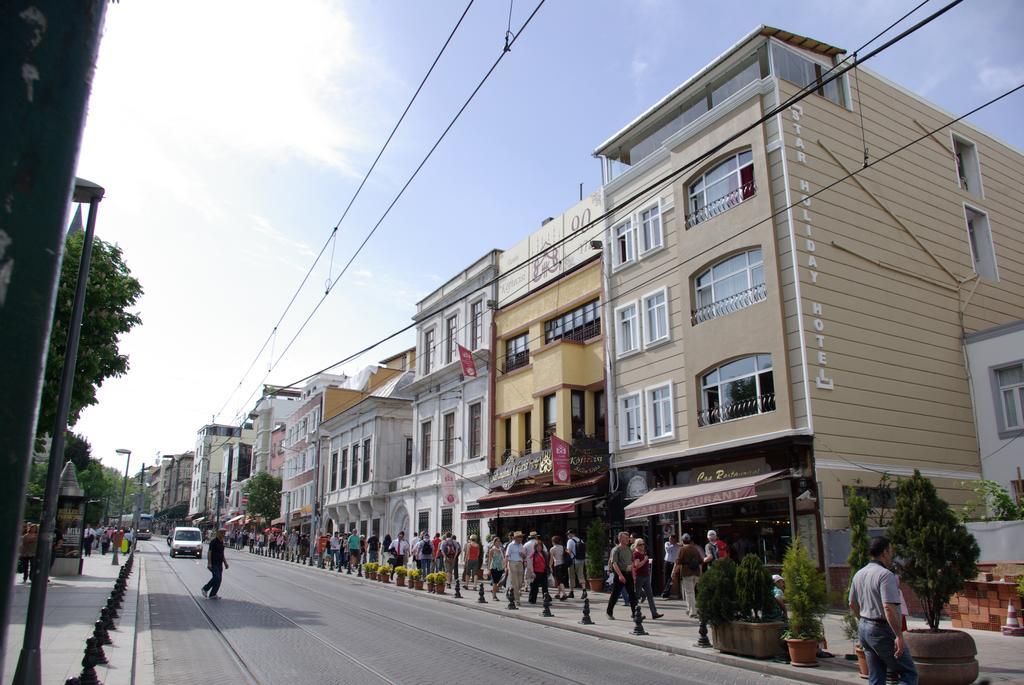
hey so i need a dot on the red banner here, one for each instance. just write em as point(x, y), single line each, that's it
point(560, 461)
point(468, 363)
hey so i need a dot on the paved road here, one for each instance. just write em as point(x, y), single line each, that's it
point(277, 624)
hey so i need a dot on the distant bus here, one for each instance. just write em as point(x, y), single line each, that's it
point(145, 531)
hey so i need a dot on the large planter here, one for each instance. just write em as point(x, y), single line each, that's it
point(943, 658)
point(803, 653)
point(758, 640)
point(400, 581)
point(862, 661)
point(439, 588)
point(596, 584)
point(418, 584)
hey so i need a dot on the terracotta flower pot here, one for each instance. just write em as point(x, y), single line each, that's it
point(439, 588)
point(862, 661)
point(418, 584)
point(596, 584)
point(400, 581)
point(943, 658)
point(430, 587)
point(803, 653)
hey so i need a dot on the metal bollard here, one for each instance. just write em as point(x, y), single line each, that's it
point(88, 676)
point(111, 611)
point(92, 646)
point(511, 602)
point(458, 595)
point(638, 622)
point(481, 599)
point(108, 623)
point(547, 606)
point(101, 634)
point(702, 632)
point(586, 620)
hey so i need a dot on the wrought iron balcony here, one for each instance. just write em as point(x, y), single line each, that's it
point(516, 360)
point(585, 332)
point(722, 204)
point(737, 410)
point(730, 304)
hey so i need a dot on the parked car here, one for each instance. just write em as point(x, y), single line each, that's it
point(187, 542)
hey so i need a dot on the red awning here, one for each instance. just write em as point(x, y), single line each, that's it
point(562, 506)
point(681, 497)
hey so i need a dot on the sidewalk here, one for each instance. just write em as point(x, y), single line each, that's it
point(73, 605)
point(999, 656)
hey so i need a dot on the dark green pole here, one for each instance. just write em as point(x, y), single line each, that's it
point(48, 52)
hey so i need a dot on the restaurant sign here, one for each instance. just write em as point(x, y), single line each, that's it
point(539, 465)
point(738, 469)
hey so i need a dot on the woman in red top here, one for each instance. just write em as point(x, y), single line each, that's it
point(642, 576)
point(472, 561)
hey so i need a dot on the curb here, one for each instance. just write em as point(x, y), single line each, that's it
point(143, 664)
point(709, 655)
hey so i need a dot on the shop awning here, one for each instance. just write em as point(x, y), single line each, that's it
point(278, 521)
point(236, 518)
point(681, 497)
point(562, 506)
point(199, 520)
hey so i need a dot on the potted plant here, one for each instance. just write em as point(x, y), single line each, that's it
point(370, 570)
point(735, 601)
point(400, 573)
point(440, 582)
point(384, 573)
point(806, 602)
point(415, 575)
point(935, 556)
point(597, 546)
point(858, 558)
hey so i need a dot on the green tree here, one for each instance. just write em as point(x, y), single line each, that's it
point(112, 292)
point(754, 589)
point(264, 493)
point(994, 501)
point(806, 597)
point(77, 450)
point(860, 544)
point(717, 601)
point(935, 554)
point(597, 548)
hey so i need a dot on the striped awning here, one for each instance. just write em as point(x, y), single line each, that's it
point(682, 497)
point(562, 506)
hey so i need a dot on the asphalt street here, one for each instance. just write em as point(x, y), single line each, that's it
point(275, 623)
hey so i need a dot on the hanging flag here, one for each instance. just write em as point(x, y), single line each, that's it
point(448, 495)
point(560, 468)
point(468, 363)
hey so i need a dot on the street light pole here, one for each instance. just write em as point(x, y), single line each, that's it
point(120, 512)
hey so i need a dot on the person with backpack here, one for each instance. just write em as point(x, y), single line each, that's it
point(438, 564)
point(576, 549)
point(687, 570)
point(715, 549)
point(539, 562)
point(450, 550)
point(472, 560)
point(424, 553)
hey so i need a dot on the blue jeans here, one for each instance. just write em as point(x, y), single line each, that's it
point(425, 568)
point(373, 555)
point(215, 575)
point(879, 643)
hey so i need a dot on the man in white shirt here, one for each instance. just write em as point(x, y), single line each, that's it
point(576, 550)
point(400, 549)
point(671, 553)
point(336, 549)
point(515, 560)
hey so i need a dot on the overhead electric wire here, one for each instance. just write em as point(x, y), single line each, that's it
point(401, 192)
point(351, 201)
point(657, 184)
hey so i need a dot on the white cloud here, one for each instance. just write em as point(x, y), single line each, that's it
point(996, 79)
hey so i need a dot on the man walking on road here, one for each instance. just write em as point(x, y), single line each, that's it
point(621, 564)
point(216, 562)
point(875, 599)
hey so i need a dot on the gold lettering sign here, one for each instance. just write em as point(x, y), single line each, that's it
point(739, 469)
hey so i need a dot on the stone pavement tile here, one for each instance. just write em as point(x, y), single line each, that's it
point(73, 604)
point(998, 656)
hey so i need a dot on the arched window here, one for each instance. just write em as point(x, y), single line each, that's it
point(742, 387)
point(722, 187)
point(732, 284)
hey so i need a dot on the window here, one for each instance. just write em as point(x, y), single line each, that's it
point(475, 411)
point(650, 228)
point(1010, 382)
point(629, 420)
point(449, 438)
point(428, 351)
point(344, 469)
point(968, 171)
point(446, 520)
point(580, 324)
point(550, 419)
point(730, 285)
point(600, 418)
point(334, 470)
point(623, 245)
point(366, 460)
point(508, 436)
point(517, 352)
point(724, 186)
point(476, 325)
point(425, 446)
point(528, 432)
point(656, 317)
point(804, 72)
point(423, 521)
point(355, 463)
point(660, 419)
point(578, 413)
point(979, 235)
point(451, 338)
point(408, 456)
point(743, 387)
point(628, 329)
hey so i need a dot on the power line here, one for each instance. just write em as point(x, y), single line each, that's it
point(334, 231)
point(405, 186)
point(659, 183)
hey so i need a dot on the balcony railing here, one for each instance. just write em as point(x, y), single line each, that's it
point(516, 360)
point(736, 410)
point(730, 304)
point(722, 204)
point(586, 332)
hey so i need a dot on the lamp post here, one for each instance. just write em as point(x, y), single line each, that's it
point(120, 512)
point(29, 668)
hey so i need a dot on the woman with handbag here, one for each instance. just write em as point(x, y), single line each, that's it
point(642, 575)
point(495, 565)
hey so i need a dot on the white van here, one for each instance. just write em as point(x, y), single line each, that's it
point(187, 542)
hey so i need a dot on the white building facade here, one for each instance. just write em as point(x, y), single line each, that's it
point(208, 464)
point(445, 461)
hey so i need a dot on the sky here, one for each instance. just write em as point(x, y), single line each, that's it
point(231, 135)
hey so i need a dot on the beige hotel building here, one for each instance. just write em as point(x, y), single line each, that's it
point(771, 351)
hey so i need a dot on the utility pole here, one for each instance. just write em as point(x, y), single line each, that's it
point(217, 520)
point(48, 53)
point(137, 511)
